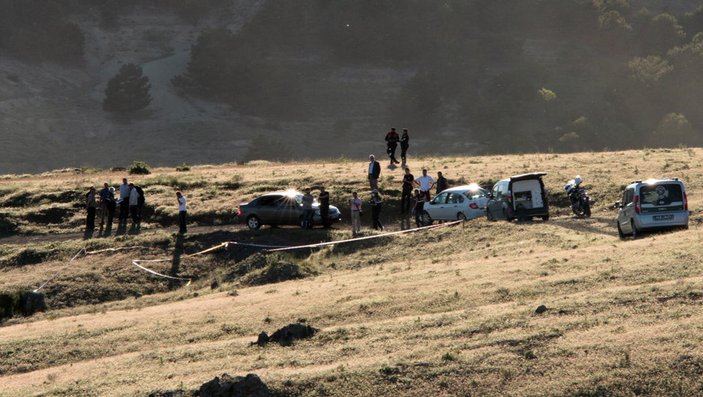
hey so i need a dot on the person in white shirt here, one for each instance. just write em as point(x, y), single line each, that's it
point(425, 183)
point(134, 205)
point(182, 212)
point(124, 201)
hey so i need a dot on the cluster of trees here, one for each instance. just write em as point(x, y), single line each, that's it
point(621, 77)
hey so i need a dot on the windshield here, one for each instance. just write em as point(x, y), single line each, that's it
point(661, 194)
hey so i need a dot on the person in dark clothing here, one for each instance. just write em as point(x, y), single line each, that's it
point(92, 205)
point(404, 145)
point(418, 207)
point(140, 203)
point(308, 211)
point(109, 204)
point(442, 183)
point(374, 172)
point(104, 198)
point(406, 195)
point(376, 203)
point(324, 199)
point(392, 139)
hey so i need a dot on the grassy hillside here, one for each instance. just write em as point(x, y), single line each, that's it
point(449, 312)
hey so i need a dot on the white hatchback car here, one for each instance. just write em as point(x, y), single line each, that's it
point(461, 202)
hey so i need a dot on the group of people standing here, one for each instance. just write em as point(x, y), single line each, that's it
point(309, 212)
point(392, 140)
point(131, 203)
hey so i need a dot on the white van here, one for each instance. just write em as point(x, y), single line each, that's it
point(520, 196)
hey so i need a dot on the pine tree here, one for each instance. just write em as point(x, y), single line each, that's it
point(128, 91)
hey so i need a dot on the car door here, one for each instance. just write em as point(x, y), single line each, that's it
point(626, 211)
point(289, 210)
point(266, 208)
point(437, 206)
point(455, 205)
point(474, 205)
point(497, 203)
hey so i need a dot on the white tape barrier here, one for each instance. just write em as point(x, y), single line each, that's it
point(225, 245)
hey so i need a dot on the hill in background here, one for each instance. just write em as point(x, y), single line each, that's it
point(245, 79)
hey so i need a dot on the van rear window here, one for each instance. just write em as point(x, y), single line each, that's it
point(661, 194)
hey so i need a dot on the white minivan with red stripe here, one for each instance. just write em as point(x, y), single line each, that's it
point(652, 205)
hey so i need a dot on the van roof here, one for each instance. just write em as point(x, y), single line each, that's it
point(531, 175)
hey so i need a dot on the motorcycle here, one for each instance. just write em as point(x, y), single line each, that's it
point(578, 196)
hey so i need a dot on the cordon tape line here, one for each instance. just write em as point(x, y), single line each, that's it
point(351, 240)
point(225, 245)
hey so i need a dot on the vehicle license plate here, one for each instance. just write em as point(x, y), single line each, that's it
point(663, 217)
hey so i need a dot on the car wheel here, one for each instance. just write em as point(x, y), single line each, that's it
point(253, 222)
point(460, 216)
point(634, 229)
point(587, 209)
point(521, 215)
point(545, 217)
point(489, 216)
point(426, 219)
point(620, 233)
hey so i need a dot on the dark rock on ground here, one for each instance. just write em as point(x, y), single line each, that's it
point(237, 386)
point(540, 309)
point(287, 335)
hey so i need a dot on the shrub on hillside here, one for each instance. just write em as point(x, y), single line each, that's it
point(22, 302)
point(139, 168)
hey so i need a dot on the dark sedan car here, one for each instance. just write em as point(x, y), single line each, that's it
point(281, 208)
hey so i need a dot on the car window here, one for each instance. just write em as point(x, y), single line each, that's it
point(661, 194)
point(268, 201)
point(474, 194)
point(455, 198)
point(628, 196)
point(440, 199)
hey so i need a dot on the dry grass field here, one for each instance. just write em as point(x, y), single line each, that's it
point(446, 312)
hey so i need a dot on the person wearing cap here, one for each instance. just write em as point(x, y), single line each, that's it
point(374, 172)
point(92, 205)
point(404, 145)
point(425, 183)
point(376, 203)
point(182, 213)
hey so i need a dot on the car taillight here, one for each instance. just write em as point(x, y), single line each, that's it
point(473, 206)
point(685, 201)
point(637, 204)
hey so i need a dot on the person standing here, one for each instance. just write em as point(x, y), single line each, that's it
point(374, 172)
point(355, 204)
point(182, 213)
point(418, 207)
point(376, 203)
point(110, 206)
point(124, 201)
point(407, 191)
point(134, 205)
point(404, 145)
point(425, 183)
point(92, 205)
point(308, 211)
point(442, 183)
point(392, 139)
point(104, 198)
point(324, 199)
